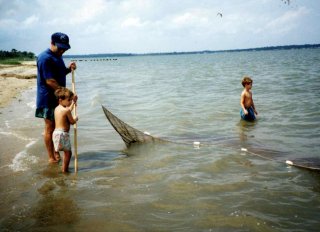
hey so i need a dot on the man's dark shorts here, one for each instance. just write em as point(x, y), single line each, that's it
point(46, 113)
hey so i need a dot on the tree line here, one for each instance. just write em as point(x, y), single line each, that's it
point(16, 54)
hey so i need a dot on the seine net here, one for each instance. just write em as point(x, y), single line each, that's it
point(129, 134)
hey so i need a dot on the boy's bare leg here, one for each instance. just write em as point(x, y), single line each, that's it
point(57, 156)
point(48, 130)
point(66, 161)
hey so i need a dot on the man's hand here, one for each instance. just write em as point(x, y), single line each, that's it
point(73, 66)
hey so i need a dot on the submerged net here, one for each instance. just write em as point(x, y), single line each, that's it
point(129, 134)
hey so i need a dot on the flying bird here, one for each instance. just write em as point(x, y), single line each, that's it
point(219, 14)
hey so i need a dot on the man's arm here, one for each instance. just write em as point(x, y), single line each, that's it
point(52, 83)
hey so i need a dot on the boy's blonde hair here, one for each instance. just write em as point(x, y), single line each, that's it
point(63, 93)
point(246, 80)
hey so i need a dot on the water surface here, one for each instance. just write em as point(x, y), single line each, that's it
point(173, 186)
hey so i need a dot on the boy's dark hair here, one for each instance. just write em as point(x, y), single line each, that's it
point(246, 80)
point(63, 93)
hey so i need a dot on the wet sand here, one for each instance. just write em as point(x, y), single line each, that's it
point(14, 79)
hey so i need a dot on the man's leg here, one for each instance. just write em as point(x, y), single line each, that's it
point(48, 130)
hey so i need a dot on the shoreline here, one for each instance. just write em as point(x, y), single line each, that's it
point(20, 130)
point(14, 79)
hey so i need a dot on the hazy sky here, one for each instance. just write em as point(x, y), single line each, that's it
point(142, 26)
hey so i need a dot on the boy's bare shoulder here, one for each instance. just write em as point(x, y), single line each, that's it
point(246, 93)
point(66, 110)
point(63, 110)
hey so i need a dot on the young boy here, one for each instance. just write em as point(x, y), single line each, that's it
point(248, 110)
point(63, 119)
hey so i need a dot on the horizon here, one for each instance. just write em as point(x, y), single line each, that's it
point(284, 47)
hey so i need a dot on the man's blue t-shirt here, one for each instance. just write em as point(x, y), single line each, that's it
point(50, 66)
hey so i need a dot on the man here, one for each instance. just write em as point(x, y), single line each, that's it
point(51, 75)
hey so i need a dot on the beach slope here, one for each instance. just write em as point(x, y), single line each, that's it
point(14, 79)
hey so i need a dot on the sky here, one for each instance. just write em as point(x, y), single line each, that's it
point(148, 26)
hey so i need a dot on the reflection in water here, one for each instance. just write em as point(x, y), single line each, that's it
point(246, 130)
point(54, 210)
point(55, 207)
point(37, 201)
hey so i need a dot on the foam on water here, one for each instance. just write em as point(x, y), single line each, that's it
point(6, 123)
point(23, 160)
point(18, 136)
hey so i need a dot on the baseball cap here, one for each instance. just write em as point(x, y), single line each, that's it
point(61, 40)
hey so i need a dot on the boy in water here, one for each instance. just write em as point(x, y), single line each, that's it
point(63, 119)
point(248, 110)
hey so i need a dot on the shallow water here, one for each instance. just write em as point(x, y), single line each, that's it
point(173, 186)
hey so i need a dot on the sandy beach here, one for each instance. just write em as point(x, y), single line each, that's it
point(16, 78)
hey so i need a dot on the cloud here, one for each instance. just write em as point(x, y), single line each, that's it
point(30, 21)
point(132, 22)
point(18, 25)
point(287, 21)
point(71, 13)
point(7, 23)
point(195, 17)
point(88, 11)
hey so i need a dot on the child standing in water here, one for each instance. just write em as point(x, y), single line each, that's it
point(248, 110)
point(63, 119)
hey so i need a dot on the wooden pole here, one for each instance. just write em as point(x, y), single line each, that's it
point(75, 127)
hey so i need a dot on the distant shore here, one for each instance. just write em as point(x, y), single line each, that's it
point(14, 79)
point(270, 48)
